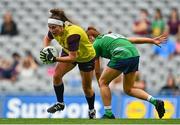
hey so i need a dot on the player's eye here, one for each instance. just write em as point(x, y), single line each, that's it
point(52, 27)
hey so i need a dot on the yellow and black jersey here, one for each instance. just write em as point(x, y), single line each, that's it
point(74, 38)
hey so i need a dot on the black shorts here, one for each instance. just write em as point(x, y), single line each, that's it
point(83, 66)
point(86, 66)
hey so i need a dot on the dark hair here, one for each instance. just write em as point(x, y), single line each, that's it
point(28, 53)
point(158, 10)
point(15, 54)
point(59, 15)
point(176, 11)
point(93, 31)
point(144, 11)
point(92, 28)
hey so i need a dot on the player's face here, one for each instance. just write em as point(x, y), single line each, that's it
point(55, 29)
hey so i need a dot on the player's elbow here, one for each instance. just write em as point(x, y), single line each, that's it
point(73, 58)
point(97, 73)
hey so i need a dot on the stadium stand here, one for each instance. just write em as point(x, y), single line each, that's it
point(107, 15)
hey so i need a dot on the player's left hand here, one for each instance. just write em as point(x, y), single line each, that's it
point(47, 58)
point(160, 39)
point(43, 57)
point(50, 56)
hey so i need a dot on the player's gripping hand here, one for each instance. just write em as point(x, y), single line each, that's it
point(43, 57)
point(47, 58)
point(50, 56)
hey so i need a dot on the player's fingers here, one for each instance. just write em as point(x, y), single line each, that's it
point(45, 63)
point(48, 62)
point(42, 54)
point(43, 59)
point(158, 45)
point(164, 36)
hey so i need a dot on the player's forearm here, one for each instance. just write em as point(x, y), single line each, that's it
point(46, 41)
point(98, 74)
point(142, 40)
point(97, 69)
point(67, 59)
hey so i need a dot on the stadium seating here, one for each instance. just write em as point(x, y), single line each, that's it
point(107, 15)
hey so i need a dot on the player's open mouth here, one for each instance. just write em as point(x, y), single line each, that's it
point(54, 33)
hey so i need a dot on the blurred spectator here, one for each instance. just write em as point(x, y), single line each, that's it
point(6, 71)
point(16, 59)
point(174, 22)
point(27, 68)
point(8, 27)
point(141, 26)
point(30, 56)
point(178, 81)
point(177, 46)
point(166, 50)
point(170, 88)
point(158, 24)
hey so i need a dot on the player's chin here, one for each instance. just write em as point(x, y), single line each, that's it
point(54, 34)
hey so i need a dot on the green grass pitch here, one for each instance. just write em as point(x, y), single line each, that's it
point(88, 121)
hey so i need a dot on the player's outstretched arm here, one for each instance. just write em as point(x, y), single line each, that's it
point(141, 40)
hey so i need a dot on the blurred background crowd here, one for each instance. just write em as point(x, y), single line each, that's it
point(24, 23)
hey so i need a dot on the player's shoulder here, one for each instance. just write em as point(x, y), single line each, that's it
point(96, 42)
point(73, 27)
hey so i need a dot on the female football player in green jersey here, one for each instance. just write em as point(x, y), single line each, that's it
point(124, 58)
point(77, 49)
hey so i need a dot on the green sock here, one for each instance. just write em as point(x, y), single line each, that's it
point(108, 112)
point(153, 101)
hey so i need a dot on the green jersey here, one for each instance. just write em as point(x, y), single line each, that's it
point(114, 46)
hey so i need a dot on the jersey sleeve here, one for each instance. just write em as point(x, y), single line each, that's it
point(97, 49)
point(73, 42)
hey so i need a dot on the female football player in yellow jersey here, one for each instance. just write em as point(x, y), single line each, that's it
point(77, 49)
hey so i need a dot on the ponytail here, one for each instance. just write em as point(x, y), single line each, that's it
point(59, 15)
